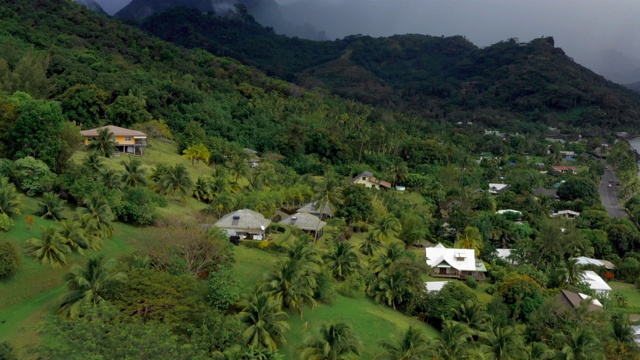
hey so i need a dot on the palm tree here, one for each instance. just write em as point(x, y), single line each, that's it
point(291, 284)
point(110, 179)
point(93, 162)
point(390, 288)
point(197, 152)
point(384, 259)
point(400, 171)
point(473, 315)
point(336, 342)
point(411, 344)
point(265, 322)
point(538, 351)
point(571, 272)
point(453, 344)
point(342, 261)
point(387, 230)
point(302, 252)
point(51, 207)
point(158, 172)
point(100, 213)
point(622, 337)
point(89, 226)
point(9, 203)
point(369, 245)
point(202, 189)
point(90, 285)
point(104, 143)
point(133, 175)
point(49, 248)
point(73, 234)
point(176, 181)
point(502, 342)
point(327, 195)
point(222, 204)
point(581, 344)
point(471, 239)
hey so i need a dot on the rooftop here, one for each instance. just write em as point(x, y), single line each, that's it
point(304, 221)
point(243, 219)
point(116, 130)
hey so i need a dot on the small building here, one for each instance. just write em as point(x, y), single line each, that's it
point(252, 157)
point(311, 209)
point(582, 260)
point(367, 179)
point(435, 286)
point(567, 214)
point(306, 222)
point(595, 282)
point(454, 263)
point(497, 188)
point(127, 141)
point(571, 300)
point(245, 223)
point(563, 169)
point(568, 153)
point(509, 212)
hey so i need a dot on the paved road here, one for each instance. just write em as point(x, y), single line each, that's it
point(609, 195)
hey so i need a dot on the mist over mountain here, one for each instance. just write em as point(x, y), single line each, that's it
point(93, 5)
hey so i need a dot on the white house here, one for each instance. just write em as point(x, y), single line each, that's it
point(454, 263)
point(244, 223)
point(497, 188)
point(367, 179)
point(567, 214)
point(595, 282)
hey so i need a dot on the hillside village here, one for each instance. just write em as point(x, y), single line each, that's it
point(159, 202)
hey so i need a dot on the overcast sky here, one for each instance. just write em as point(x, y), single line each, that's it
point(583, 28)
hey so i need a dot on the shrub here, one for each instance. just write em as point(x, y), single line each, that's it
point(352, 287)
point(33, 176)
point(325, 289)
point(471, 282)
point(9, 260)
point(224, 290)
point(138, 206)
point(6, 223)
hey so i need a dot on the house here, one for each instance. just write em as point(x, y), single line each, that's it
point(311, 209)
point(568, 153)
point(367, 179)
point(562, 169)
point(571, 300)
point(555, 140)
point(435, 286)
point(306, 222)
point(567, 214)
point(127, 141)
point(509, 212)
point(550, 193)
point(252, 157)
point(582, 260)
point(244, 223)
point(497, 188)
point(595, 282)
point(454, 263)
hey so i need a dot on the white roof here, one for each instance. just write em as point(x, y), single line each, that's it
point(504, 211)
point(497, 187)
point(595, 282)
point(435, 285)
point(503, 253)
point(459, 259)
point(594, 301)
point(566, 212)
point(582, 260)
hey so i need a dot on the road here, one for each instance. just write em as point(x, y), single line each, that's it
point(609, 195)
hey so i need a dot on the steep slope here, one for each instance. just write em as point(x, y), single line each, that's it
point(93, 5)
point(431, 76)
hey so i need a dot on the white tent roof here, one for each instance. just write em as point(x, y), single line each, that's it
point(595, 281)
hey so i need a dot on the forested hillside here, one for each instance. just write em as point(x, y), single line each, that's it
point(436, 77)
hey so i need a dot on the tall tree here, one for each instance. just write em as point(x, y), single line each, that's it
point(471, 239)
point(50, 248)
point(51, 207)
point(342, 261)
point(197, 152)
point(9, 203)
point(104, 144)
point(453, 343)
point(265, 322)
point(91, 285)
point(292, 285)
point(176, 181)
point(336, 342)
point(98, 211)
point(369, 245)
point(411, 344)
point(133, 174)
point(387, 230)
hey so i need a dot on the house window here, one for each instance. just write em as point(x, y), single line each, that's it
point(364, 178)
point(127, 138)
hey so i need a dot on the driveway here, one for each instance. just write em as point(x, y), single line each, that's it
point(609, 195)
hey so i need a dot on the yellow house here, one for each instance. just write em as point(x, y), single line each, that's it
point(127, 141)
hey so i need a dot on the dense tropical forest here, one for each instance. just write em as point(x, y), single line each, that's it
point(107, 255)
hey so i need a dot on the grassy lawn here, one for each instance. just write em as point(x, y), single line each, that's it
point(252, 264)
point(370, 321)
point(631, 292)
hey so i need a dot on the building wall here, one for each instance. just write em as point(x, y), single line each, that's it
point(121, 140)
point(366, 183)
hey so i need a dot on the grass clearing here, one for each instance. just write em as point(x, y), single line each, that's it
point(370, 322)
point(630, 291)
point(252, 265)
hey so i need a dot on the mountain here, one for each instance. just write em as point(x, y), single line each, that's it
point(434, 77)
point(266, 12)
point(616, 66)
point(93, 5)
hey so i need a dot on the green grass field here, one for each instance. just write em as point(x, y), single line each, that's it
point(632, 294)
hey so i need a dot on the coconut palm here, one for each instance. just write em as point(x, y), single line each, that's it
point(176, 181)
point(580, 343)
point(453, 343)
point(538, 351)
point(411, 344)
point(385, 258)
point(100, 213)
point(342, 261)
point(9, 203)
point(202, 189)
point(73, 234)
point(471, 239)
point(336, 342)
point(387, 230)
point(197, 152)
point(104, 144)
point(502, 342)
point(265, 321)
point(110, 179)
point(292, 284)
point(623, 343)
point(133, 175)
point(390, 288)
point(400, 171)
point(222, 204)
point(51, 207)
point(473, 315)
point(369, 245)
point(90, 227)
point(571, 272)
point(90, 285)
point(93, 163)
point(158, 172)
point(301, 251)
point(50, 248)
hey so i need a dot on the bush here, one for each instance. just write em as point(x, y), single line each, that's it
point(471, 282)
point(351, 287)
point(9, 260)
point(138, 206)
point(325, 289)
point(224, 290)
point(33, 176)
point(7, 352)
point(6, 223)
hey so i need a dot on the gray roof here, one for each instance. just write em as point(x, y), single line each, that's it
point(540, 191)
point(366, 174)
point(304, 221)
point(311, 209)
point(243, 219)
